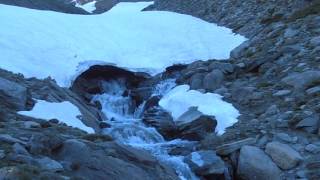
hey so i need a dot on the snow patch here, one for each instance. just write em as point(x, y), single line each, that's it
point(181, 98)
point(89, 7)
point(65, 112)
point(45, 43)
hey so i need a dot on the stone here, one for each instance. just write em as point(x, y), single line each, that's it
point(285, 137)
point(309, 124)
point(205, 163)
point(224, 67)
point(2, 154)
point(254, 164)
point(312, 148)
point(44, 143)
point(49, 164)
point(15, 93)
point(195, 126)
point(9, 139)
point(282, 93)
point(301, 81)
point(229, 148)
point(196, 81)
point(315, 41)
point(31, 124)
point(283, 155)
point(213, 80)
point(19, 149)
point(313, 91)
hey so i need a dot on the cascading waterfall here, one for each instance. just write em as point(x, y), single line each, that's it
point(128, 128)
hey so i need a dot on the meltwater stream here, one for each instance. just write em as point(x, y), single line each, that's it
point(128, 128)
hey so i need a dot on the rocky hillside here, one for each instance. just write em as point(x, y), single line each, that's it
point(273, 79)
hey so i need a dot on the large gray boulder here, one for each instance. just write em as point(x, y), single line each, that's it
point(229, 148)
point(14, 93)
point(195, 126)
point(205, 163)
point(112, 160)
point(283, 155)
point(254, 164)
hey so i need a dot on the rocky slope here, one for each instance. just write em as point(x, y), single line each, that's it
point(273, 79)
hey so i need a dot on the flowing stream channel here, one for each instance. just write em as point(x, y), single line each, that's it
point(127, 126)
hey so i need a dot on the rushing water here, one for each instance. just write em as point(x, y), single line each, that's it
point(128, 128)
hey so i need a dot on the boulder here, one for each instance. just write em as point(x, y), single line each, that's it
point(49, 164)
point(283, 155)
point(15, 93)
point(301, 81)
point(309, 124)
point(229, 148)
point(6, 138)
point(93, 161)
point(206, 163)
point(213, 80)
point(193, 125)
point(161, 120)
point(254, 164)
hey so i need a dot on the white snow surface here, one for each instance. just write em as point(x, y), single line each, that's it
point(45, 43)
point(89, 7)
point(65, 112)
point(181, 98)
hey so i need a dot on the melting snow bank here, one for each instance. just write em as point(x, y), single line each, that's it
point(181, 98)
point(65, 112)
point(44, 43)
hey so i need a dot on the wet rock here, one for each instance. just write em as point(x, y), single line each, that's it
point(6, 138)
point(213, 80)
point(229, 148)
point(313, 91)
point(15, 93)
point(161, 120)
point(250, 165)
point(49, 164)
point(283, 155)
point(193, 125)
point(206, 163)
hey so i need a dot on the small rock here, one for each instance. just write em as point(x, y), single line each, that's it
point(226, 149)
point(254, 164)
point(285, 137)
point(19, 149)
point(315, 41)
point(283, 155)
point(312, 148)
point(301, 81)
point(205, 163)
point(282, 93)
point(104, 125)
point(314, 90)
point(49, 164)
point(2, 154)
point(213, 80)
point(54, 121)
point(31, 124)
point(9, 139)
point(309, 124)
